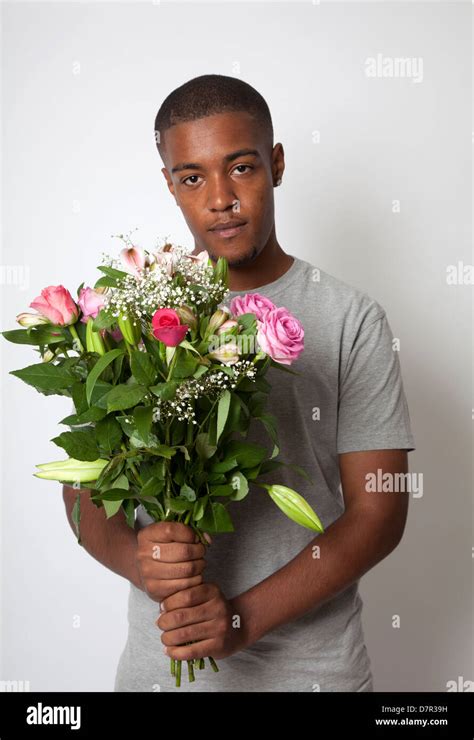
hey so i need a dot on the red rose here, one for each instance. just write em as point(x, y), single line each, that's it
point(167, 327)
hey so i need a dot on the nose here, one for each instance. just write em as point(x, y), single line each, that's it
point(220, 193)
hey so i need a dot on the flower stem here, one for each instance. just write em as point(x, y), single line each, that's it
point(213, 664)
point(75, 336)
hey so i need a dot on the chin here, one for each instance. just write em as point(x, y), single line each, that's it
point(234, 254)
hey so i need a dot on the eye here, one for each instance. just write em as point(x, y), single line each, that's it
point(189, 178)
point(244, 165)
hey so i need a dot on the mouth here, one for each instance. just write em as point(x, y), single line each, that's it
point(228, 233)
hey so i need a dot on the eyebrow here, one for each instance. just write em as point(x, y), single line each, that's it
point(227, 158)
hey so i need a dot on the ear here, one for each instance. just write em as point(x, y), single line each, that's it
point(278, 163)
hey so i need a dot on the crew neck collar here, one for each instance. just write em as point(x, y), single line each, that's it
point(276, 286)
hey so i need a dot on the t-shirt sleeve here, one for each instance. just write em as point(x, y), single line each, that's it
point(372, 407)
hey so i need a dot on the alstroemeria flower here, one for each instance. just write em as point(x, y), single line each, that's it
point(133, 260)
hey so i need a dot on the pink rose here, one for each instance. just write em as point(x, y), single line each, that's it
point(133, 260)
point(281, 335)
point(90, 303)
point(57, 305)
point(167, 327)
point(251, 303)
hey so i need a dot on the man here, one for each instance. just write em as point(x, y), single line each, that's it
point(277, 608)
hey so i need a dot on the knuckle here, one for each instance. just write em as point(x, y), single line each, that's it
point(180, 616)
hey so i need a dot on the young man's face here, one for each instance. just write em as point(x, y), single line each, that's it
point(214, 181)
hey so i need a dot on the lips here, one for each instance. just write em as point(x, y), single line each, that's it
point(227, 229)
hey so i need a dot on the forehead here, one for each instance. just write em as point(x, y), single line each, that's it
point(208, 140)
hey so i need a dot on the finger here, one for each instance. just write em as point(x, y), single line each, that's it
point(172, 571)
point(165, 589)
point(194, 596)
point(201, 649)
point(169, 532)
point(196, 631)
point(176, 552)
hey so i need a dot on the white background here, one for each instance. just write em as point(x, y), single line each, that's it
point(81, 87)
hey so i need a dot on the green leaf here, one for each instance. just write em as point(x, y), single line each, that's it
point(45, 376)
point(187, 492)
point(121, 481)
point(142, 367)
point(79, 445)
point(269, 422)
point(143, 416)
point(247, 454)
point(113, 494)
point(186, 364)
point(33, 336)
point(178, 505)
point(165, 391)
point(92, 414)
point(111, 507)
point(76, 517)
point(98, 368)
point(248, 321)
point(103, 320)
point(129, 513)
point(222, 412)
point(216, 518)
point(240, 486)
point(106, 282)
point(225, 490)
point(199, 508)
point(152, 487)
point(188, 345)
point(125, 396)
point(222, 467)
point(203, 448)
point(112, 271)
point(108, 433)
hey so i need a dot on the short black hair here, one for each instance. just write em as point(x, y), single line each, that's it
point(207, 95)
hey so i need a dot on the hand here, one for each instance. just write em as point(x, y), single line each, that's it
point(169, 558)
point(204, 614)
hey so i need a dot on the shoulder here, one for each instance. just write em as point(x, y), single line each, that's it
point(340, 303)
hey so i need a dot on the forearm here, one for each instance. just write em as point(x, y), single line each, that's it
point(350, 547)
point(110, 541)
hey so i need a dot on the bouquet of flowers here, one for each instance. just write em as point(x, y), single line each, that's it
point(164, 382)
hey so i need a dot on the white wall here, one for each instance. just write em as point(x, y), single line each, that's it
point(81, 86)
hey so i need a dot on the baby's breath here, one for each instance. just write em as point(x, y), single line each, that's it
point(212, 385)
point(140, 296)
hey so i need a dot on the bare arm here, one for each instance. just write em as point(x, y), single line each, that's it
point(369, 529)
point(110, 541)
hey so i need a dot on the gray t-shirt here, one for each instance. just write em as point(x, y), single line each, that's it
point(348, 397)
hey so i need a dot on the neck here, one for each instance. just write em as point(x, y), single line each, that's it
point(270, 264)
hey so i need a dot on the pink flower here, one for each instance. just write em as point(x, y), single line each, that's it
point(281, 335)
point(116, 335)
point(133, 260)
point(167, 327)
point(57, 305)
point(201, 257)
point(90, 303)
point(166, 259)
point(251, 303)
